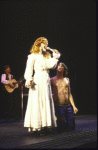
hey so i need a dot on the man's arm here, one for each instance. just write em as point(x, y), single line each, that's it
point(3, 79)
point(71, 100)
point(73, 104)
point(51, 80)
point(6, 82)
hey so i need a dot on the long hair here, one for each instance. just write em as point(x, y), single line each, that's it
point(35, 48)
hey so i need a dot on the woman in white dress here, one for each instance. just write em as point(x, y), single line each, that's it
point(40, 111)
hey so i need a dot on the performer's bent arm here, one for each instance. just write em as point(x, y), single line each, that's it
point(52, 62)
point(29, 70)
point(3, 79)
point(6, 82)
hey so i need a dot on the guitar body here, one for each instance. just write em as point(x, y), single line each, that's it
point(9, 88)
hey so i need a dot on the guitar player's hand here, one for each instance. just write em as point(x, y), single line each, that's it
point(11, 85)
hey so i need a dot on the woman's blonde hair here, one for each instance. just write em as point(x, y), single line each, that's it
point(35, 48)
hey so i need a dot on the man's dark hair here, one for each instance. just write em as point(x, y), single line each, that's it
point(5, 67)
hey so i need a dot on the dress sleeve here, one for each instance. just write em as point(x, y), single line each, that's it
point(52, 62)
point(56, 55)
point(29, 69)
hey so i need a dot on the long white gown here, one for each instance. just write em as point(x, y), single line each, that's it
point(40, 107)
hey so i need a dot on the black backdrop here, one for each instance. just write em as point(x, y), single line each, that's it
point(69, 26)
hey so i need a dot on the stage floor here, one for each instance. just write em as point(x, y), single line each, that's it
point(14, 135)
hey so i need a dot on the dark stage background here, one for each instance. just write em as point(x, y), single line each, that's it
point(69, 26)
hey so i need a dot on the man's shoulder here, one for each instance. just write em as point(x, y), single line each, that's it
point(67, 79)
point(53, 79)
point(3, 74)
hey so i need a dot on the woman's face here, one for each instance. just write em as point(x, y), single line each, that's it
point(43, 47)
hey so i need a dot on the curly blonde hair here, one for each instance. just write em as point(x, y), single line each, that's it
point(35, 48)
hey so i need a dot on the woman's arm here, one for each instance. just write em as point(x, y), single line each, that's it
point(29, 70)
point(52, 61)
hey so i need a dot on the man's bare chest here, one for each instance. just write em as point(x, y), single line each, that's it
point(60, 84)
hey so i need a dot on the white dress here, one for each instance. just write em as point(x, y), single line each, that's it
point(40, 107)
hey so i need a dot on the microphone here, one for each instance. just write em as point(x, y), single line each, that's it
point(50, 49)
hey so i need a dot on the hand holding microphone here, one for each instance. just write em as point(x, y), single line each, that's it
point(53, 50)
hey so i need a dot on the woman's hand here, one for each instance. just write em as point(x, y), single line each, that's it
point(56, 54)
point(43, 47)
point(31, 82)
point(55, 51)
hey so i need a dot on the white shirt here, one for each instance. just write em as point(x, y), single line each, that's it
point(3, 78)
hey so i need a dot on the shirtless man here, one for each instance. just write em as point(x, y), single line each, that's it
point(63, 100)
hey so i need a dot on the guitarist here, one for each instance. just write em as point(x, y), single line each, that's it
point(6, 78)
point(10, 100)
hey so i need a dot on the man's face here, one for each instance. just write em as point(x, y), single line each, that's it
point(8, 70)
point(60, 67)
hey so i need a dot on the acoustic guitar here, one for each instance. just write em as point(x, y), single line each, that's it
point(10, 89)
